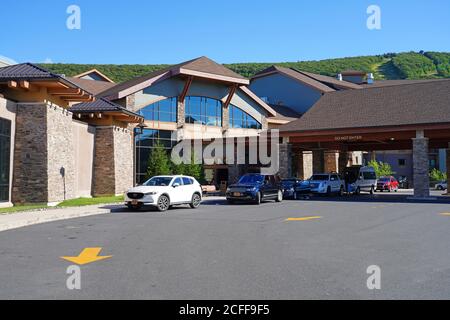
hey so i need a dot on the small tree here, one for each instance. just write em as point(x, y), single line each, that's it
point(158, 162)
point(190, 169)
point(436, 175)
point(382, 169)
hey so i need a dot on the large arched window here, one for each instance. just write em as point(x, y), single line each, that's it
point(241, 119)
point(205, 110)
point(163, 110)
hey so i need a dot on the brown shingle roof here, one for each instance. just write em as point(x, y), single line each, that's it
point(100, 105)
point(386, 83)
point(285, 113)
point(418, 103)
point(331, 81)
point(93, 86)
point(203, 65)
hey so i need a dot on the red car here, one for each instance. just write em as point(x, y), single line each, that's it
point(387, 183)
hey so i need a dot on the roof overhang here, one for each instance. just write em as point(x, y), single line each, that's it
point(206, 75)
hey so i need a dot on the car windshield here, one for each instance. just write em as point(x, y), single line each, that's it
point(384, 179)
point(158, 181)
point(319, 177)
point(252, 178)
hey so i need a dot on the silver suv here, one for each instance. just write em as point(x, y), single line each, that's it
point(326, 183)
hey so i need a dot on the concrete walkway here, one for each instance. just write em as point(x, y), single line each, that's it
point(26, 218)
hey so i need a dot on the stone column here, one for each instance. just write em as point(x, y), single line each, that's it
point(225, 119)
point(344, 158)
point(448, 165)
point(180, 114)
point(318, 161)
point(285, 152)
point(421, 166)
point(331, 161)
point(304, 165)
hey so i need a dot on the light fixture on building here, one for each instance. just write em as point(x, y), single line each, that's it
point(141, 126)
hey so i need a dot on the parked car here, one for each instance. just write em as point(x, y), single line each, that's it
point(441, 185)
point(293, 188)
point(255, 187)
point(326, 183)
point(403, 182)
point(359, 178)
point(164, 191)
point(387, 183)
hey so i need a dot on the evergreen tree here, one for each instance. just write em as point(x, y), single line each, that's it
point(158, 162)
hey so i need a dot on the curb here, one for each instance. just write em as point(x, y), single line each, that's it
point(38, 217)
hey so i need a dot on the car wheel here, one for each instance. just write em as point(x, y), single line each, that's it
point(358, 191)
point(258, 198)
point(196, 200)
point(279, 196)
point(230, 201)
point(389, 189)
point(163, 203)
point(372, 190)
point(440, 188)
point(295, 196)
point(328, 191)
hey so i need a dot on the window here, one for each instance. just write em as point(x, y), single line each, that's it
point(206, 111)
point(401, 162)
point(144, 144)
point(241, 119)
point(187, 181)
point(5, 152)
point(177, 181)
point(369, 176)
point(164, 110)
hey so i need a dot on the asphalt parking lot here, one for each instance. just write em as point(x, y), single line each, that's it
point(312, 249)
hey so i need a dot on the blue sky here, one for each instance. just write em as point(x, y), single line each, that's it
point(170, 31)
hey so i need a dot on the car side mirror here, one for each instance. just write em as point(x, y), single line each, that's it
point(175, 185)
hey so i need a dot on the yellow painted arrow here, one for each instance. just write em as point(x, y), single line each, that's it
point(303, 219)
point(86, 256)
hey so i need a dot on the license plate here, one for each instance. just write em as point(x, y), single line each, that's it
point(134, 202)
point(237, 194)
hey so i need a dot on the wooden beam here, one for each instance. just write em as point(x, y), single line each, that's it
point(12, 84)
point(230, 96)
point(185, 91)
point(65, 92)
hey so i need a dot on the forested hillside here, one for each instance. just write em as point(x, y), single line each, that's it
point(408, 65)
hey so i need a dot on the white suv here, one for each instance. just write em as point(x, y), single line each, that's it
point(326, 183)
point(164, 191)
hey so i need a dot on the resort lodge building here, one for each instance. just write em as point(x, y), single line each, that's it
point(66, 137)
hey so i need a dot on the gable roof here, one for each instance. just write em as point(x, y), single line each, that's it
point(409, 104)
point(294, 74)
point(319, 82)
point(101, 105)
point(330, 80)
point(96, 87)
point(202, 67)
point(26, 71)
point(33, 73)
point(101, 75)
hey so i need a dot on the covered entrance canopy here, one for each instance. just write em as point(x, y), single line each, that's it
point(399, 117)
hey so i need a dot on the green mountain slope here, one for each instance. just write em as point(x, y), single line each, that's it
point(407, 65)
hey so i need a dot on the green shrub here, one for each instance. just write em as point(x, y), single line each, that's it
point(382, 169)
point(436, 175)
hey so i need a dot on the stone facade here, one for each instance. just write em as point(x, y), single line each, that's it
point(43, 155)
point(225, 119)
point(285, 160)
point(448, 164)
point(180, 114)
point(318, 161)
point(113, 160)
point(123, 160)
point(331, 161)
point(304, 165)
point(61, 155)
point(30, 183)
point(421, 167)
